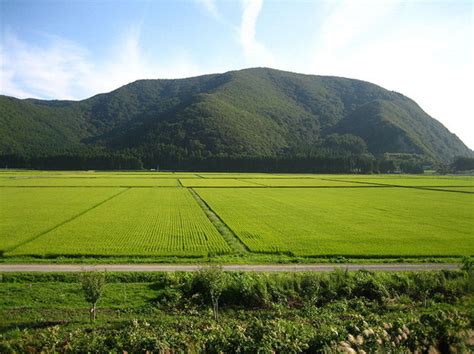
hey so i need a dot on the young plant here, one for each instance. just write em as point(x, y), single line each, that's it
point(213, 278)
point(93, 286)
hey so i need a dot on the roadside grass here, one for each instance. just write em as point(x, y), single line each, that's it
point(247, 258)
point(46, 312)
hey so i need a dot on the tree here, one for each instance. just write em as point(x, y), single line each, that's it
point(213, 278)
point(93, 287)
point(386, 166)
point(414, 167)
point(463, 163)
point(346, 143)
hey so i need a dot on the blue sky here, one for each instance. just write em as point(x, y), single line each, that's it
point(75, 49)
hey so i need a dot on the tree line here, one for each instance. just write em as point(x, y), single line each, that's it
point(324, 163)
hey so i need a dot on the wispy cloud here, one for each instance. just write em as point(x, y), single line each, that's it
point(211, 7)
point(348, 22)
point(30, 70)
point(63, 69)
point(255, 52)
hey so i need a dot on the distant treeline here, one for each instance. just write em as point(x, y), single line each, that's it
point(285, 164)
point(72, 161)
point(330, 163)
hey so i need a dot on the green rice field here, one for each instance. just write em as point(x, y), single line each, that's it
point(72, 214)
point(26, 213)
point(352, 222)
point(89, 182)
point(137, 221)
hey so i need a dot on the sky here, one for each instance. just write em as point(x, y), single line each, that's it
point(74, 49)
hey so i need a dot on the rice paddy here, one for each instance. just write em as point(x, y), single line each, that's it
point(138, 221)
point(350, 222)
point(156, 214)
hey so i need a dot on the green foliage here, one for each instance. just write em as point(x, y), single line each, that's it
point(210, 281)
point(467, 264)
point(302, 312)
point(461, 163)
point(411, 167)
point(93, 286)
point(347, 143)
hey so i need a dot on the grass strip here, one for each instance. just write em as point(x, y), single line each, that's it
point(232, 240)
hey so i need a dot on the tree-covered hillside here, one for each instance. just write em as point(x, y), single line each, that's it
point(251, 113)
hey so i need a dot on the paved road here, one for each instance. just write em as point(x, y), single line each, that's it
point(240, 267)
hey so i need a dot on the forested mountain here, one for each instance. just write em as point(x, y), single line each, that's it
point(252, 113)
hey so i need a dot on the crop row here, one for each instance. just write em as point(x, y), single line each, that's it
point(148, 222)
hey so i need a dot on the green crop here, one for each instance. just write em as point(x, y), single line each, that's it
point(26, 213)
point(351, 222)
point(88, 182)
point(87, 213)
point(141, 221)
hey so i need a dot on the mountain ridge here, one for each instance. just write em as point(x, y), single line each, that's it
point(250, 112)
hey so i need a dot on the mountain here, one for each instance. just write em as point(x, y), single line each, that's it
point(252, 112)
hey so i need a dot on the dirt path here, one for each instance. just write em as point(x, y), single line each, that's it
point(240, 267)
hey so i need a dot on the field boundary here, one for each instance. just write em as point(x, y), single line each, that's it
point(299, 187)
point(440, 189)
point(127, 186)
point(429, 188)
point(64, 222)
point(227, 234)
point(253, 182)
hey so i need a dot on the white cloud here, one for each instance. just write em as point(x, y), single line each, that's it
point(256, 54)
point(348, 20)
point(35, 71)
point(7, 86)
point(65, 70)
point(211, 7)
